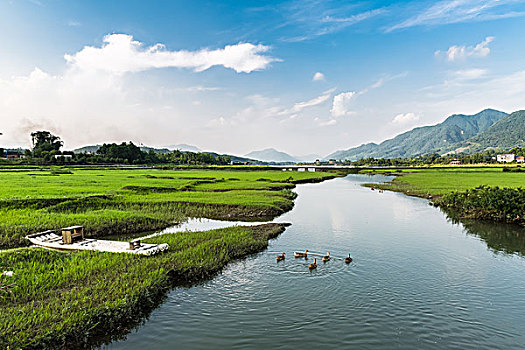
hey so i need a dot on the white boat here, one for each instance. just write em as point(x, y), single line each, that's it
point(49, 239)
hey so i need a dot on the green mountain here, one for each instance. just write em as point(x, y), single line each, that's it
point(507, 133)
point(440, 138)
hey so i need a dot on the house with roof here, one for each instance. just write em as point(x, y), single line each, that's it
point(505, 158)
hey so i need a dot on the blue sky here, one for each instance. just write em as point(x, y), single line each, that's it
point(235, 76)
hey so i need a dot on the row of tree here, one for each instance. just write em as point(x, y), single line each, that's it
point(487, 157)
point(46, 150)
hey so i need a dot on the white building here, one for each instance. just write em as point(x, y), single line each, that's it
point(505, 158)
point(65, 156)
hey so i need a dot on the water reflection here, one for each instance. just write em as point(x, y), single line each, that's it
point(500, 237)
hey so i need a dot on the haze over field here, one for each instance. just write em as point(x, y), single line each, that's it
point(233, 77)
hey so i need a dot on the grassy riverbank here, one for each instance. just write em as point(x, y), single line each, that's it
point(466, 193)
point(439, 181)
point(112, 200)
point(70, 300)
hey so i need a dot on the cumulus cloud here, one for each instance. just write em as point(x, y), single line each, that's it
point(341, 103)
point(318, 76)
point(120, 53)
point(94, 101)
point(405, 118)
point(457, 53)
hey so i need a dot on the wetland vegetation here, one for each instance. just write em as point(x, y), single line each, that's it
point(72, 300)
point(77, 299)
point(113, 200)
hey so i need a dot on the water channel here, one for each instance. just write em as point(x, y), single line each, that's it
point(418, 281)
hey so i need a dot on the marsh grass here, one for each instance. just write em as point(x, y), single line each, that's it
point(111, 201)
point(79, 299)
point(439, 181)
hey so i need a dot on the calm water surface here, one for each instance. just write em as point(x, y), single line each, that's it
point(417, 281)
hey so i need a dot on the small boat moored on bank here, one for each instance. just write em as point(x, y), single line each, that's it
point(73, 239)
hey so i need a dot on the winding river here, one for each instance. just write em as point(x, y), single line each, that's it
point(418, 281)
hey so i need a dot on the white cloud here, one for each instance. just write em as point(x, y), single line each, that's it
point(318, 18)
point(120, 54)
point(469, 74)
point(300, 106)
point(456, 53)
point(405, 118)
point(310, 103)
point(341, 103)
point(94, 101)
point(318, 76)
point(327, 122)
point(457, 11)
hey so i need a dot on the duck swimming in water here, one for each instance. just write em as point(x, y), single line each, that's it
point(300, 254)
point(313, 265)
point(280, 257)
point(348, 259)
point(326, 257)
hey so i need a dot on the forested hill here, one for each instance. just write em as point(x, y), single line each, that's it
point(440, 138)
point(507, 133)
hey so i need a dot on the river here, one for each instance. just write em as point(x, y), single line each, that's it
point(418, 281)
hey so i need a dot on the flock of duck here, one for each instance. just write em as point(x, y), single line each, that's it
point(313, 265)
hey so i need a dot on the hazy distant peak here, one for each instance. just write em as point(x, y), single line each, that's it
point(271, 155)
point(184, 147)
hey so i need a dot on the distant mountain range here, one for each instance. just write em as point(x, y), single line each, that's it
point(272, 155)
point(458, 133)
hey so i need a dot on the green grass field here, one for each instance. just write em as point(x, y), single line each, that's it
point(440, 181)
point(112, 200)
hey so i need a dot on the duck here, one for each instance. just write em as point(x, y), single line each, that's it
point(300, 254)
point(313, 265)
point(326, 257)
point(348, 259)
point(280, 257)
